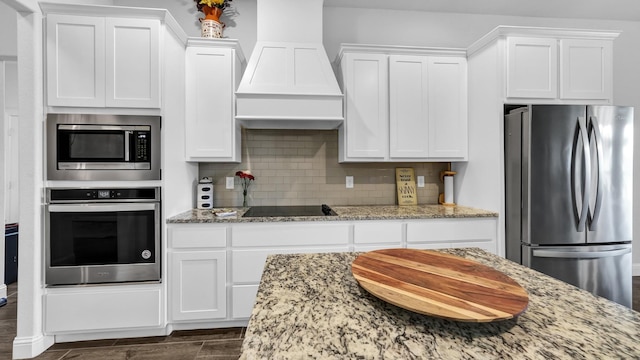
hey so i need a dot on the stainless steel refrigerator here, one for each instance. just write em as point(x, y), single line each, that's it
point(569, 183)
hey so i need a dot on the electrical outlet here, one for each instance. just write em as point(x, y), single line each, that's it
point(349, 182)
point(420, 181)
point(230, 184)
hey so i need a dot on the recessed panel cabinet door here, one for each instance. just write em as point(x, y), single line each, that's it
point(448, 125)
point(366, 96)
point(586, 69)
point(211, 131)
point(133, 63)
point(408, 106)
point(198, 285)
point(532, 67)
point(75, 60)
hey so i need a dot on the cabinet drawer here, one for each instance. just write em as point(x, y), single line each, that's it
point(247, 265)
point(197, 236)
point(378, 232)
point(287, 234)
point(447, 230)
point(102, 309)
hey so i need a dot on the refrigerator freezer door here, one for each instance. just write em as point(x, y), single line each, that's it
point(554, 186)
point(611, 195)
point(603, 270)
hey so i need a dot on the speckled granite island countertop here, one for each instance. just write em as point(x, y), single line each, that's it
point(386, 212)
point(309, 306)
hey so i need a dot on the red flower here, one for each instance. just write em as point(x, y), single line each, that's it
point(245, 175)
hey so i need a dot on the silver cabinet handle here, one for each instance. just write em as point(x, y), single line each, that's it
point(580, 254)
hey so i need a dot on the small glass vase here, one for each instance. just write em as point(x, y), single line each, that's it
point(244, 199)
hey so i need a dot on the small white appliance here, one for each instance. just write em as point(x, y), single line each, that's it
point(205, 193)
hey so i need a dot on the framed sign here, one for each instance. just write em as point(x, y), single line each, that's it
point(406, 186)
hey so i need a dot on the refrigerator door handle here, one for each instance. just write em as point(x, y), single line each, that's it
point(595, 129)
point(586, 174)
point(579, 254)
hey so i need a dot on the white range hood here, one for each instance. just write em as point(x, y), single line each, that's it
point(289, 82)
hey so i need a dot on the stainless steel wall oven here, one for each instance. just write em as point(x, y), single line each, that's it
point(103, 147)
point(102, 235)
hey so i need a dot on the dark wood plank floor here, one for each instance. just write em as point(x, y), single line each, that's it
point(188, 345)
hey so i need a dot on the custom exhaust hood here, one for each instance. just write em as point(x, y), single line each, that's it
point(289, 82)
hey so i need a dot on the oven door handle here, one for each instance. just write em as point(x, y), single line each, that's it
point(101, 207)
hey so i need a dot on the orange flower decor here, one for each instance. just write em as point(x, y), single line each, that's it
point(245, 180)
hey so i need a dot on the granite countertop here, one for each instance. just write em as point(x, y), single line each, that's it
point(383, 212)
point(309, 306)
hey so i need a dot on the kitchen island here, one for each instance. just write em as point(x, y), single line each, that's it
point(309, 306)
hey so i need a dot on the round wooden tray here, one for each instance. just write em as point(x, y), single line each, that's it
point(439, 284)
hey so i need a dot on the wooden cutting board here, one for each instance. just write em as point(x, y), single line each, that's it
point(439, 284)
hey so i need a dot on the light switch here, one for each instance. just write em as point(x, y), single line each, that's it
point(420, 181)
point(230, 180)
point(349, 182)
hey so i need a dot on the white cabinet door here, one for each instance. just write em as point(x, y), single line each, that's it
point(448, 108)
point(586, 69)
point(409, 84)
point(198, 285)
point(102, 308)
point(132, 63)
point(103, 62)
point(211, 130)
point(532, 67)
point(366, 90)
point(75, 60)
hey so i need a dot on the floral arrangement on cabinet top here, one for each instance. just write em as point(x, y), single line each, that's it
point(211, 26)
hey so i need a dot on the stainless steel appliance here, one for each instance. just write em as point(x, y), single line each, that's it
point(102, 235)
point(103, 147)
point(290, 211)
point(569, 180)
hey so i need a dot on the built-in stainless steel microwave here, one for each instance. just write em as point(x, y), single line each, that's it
point(103, 147)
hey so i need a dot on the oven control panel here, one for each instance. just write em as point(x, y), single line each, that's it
point(100, 195)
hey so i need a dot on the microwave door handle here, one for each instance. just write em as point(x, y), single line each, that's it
point(101, 207)
point(128, 134)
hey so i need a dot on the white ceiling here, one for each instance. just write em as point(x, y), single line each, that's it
point(581, 9)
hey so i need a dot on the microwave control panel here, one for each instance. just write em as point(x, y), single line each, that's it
point(142, 146)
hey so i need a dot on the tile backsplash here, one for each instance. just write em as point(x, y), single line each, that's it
point(300, 167)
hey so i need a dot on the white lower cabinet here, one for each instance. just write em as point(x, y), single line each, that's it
point(450, 233)
point(374, 235)
point(215, 269)
point(197, 272)
point(104, 308)
point(253, 243)
point(198, 282)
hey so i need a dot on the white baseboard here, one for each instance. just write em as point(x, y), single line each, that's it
point(636, 269)
point(3, 291)
point(30, 347)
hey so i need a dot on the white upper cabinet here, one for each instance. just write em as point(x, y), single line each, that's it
point(532, 68)
point(213, 70)
point(448, 128)
point(586, 69)
point(403, 104)
point(555, 65)
point(408, 106)
point(75, 60)
point(95, 61)
point(133, 63)
point(365, 134)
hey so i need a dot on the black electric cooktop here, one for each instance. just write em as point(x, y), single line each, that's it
point(291, 211)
